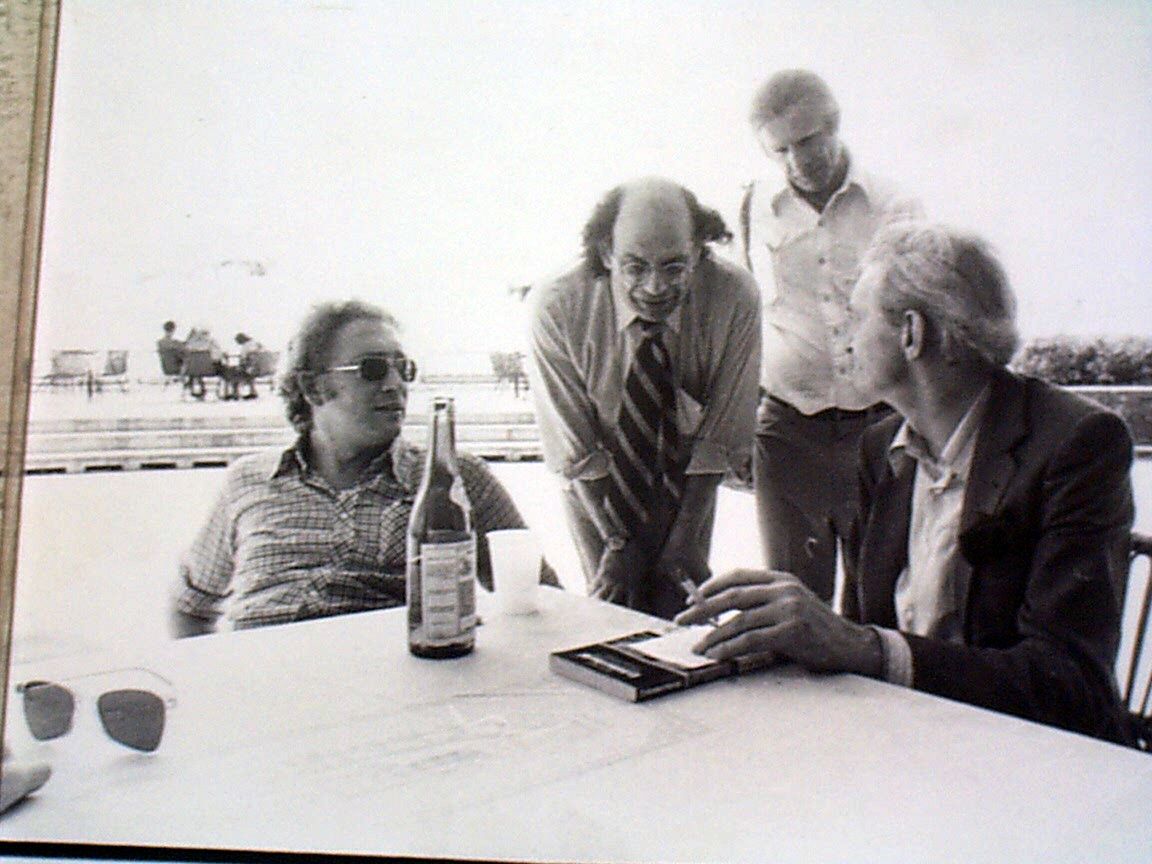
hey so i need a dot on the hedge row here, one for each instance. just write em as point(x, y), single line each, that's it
point(1075, 360)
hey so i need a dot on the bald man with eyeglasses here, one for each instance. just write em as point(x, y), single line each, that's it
point(320, 528)
point(645, 361)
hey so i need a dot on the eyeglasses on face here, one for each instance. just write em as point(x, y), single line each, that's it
point(637, 272)
point(130, 716)
point(375, 367)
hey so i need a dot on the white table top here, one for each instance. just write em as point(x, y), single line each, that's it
point(328, 735)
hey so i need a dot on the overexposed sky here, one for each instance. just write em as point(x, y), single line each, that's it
point(231, 162)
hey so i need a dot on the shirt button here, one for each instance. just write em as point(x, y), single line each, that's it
point(823, 260)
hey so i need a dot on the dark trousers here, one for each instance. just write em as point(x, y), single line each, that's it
point(804, 471)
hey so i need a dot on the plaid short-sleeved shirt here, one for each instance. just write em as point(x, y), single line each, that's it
point(282, 545)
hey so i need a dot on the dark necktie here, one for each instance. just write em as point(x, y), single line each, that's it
point(647, 469)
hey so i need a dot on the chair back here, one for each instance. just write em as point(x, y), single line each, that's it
point(1137, 688)
point(116, 362)
point(262, 364)
point(171, 361)
point(71, 363)
point(198, 362)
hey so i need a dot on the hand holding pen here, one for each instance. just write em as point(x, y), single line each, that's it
point(680, 575)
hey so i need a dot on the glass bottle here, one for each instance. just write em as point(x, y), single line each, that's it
point(441, 549)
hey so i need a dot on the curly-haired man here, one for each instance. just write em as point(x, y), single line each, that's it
point(319, 528)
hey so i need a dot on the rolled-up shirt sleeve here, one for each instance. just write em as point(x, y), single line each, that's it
point(727, 426)
point(205, 570)
point(565, 414)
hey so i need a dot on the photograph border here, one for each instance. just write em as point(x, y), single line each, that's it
point(27, 74)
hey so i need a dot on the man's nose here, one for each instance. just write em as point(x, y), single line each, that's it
point(798, 163)
point(653, 285)
point(656, 285)
point(391, 379)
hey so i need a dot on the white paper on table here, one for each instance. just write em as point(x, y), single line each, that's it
point(675, 646)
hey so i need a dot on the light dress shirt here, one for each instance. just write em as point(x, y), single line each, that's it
point(583, 338)
point(930, 591)
point(806, 264)
point(281, 544)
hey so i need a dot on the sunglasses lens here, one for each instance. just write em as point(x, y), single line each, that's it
point(48, 709)
point(374, 368)
point(135, 718)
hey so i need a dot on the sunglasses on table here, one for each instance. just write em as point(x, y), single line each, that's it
point(130, 716)
point(375, 367)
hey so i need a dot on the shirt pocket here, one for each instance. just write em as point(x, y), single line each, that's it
point(798, 268)
point(689, 414)
point(387, 534)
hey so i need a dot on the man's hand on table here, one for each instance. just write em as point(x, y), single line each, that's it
point(619, 578)
point(779, 614)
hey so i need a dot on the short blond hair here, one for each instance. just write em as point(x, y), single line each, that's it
point(794, 87)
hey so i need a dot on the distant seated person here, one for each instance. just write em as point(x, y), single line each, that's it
point(244, 371)
point(320, 528)
point(989, 556)
point(170, 349)
point(200, 342)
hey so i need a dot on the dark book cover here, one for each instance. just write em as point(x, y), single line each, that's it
point(617, 667)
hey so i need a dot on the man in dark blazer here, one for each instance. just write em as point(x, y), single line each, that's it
point(989, 556)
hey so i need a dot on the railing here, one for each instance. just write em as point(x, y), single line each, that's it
point(126, 444)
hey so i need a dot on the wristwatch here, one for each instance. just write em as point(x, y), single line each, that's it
point(615, 542)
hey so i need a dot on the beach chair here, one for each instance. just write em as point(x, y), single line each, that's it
point(115, 370)
point(72, 368)
point(198, 368)
point(171, 364)
point(261, 366)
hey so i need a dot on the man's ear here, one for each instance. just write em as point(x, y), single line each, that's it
point(604, 248)
point(913, 333)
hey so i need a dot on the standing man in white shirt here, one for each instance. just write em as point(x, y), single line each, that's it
point(803, 241)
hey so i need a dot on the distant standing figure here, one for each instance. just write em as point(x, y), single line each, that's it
point(509, 366)
point(803, 241)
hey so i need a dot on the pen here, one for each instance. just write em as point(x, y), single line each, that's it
point(692, 590)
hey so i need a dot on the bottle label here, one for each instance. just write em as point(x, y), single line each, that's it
point(447, 589)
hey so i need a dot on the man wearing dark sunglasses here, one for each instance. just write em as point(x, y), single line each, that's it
point(646, 360)
point(319, 529)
